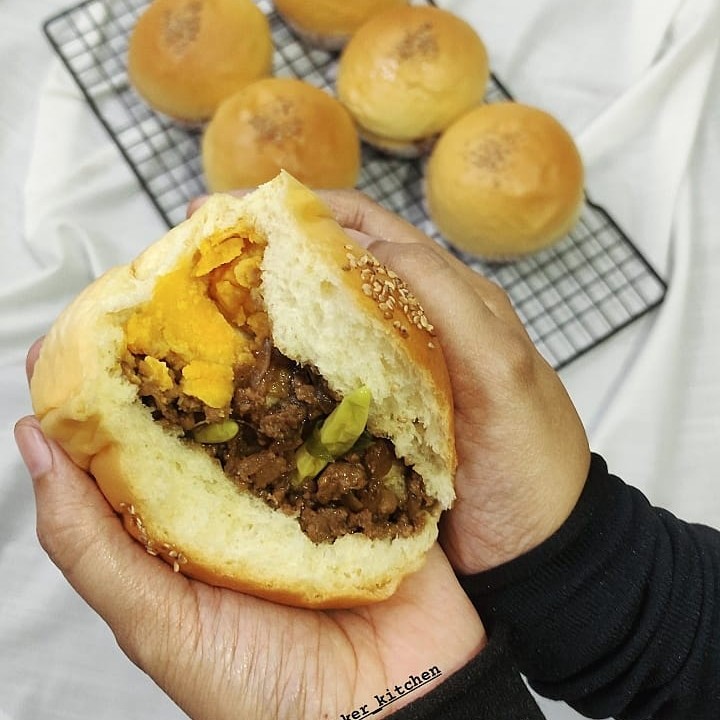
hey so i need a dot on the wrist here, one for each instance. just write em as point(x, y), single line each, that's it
point(476, 690)
point(480, 534)
point(417, 680)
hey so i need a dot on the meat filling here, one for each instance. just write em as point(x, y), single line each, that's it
point(276, 405)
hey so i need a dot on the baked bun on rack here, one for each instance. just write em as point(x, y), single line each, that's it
point(408, 73)
point(186, 56)
point(329, 24)
point(280, 124)
point(263, 403)
point(504, 181)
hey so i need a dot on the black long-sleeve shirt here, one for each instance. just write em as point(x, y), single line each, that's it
point(618, 614)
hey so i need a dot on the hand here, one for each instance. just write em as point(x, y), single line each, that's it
point(221, 654)
point(522, 451)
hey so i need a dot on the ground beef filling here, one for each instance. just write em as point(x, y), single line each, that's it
point(277, 403)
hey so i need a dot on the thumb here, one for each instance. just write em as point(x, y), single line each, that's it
point(84, 537)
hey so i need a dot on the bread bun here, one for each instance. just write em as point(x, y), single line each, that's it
point(186, 56)
point(280, 124)
point(190, 295)
point(329, 24)
point(503, 181)
point(408, 73)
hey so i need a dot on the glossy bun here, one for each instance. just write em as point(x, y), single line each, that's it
point(410, 72)
point(186, 56)
point(280, 124)
point(505, 180)
point(329, 24)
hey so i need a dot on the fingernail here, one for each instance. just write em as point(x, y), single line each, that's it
point(360, 237)
point(195, 203)
point(33, 447)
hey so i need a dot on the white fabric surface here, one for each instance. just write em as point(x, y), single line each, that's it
point(636, 81)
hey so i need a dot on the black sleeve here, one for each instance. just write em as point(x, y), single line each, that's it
point(618, 613)
point(489, 687)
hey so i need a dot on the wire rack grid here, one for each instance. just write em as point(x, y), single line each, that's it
point(570, 297)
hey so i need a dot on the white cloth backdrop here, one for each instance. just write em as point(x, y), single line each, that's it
point(638, 84)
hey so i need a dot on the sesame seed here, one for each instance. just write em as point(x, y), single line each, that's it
point(151, 547)
point(386, 288)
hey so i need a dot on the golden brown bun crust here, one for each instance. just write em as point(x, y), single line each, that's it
point(172, 496)
point(409, 72)
point(329, 23)
point(280, 124)
point(505, 180)
point(186, 56)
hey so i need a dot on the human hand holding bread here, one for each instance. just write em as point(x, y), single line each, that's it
point(522, 459)
point(221, 654)
point(191, 636)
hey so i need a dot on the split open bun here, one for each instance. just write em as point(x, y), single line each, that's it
point(408, 73)
point(329, 24)
point(313, 286)
point(186, 56)
point(278, 124)
point(504, 181)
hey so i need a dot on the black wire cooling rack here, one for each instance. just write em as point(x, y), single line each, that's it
point(571, 297)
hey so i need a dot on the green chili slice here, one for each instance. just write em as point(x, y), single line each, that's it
point(336, 436)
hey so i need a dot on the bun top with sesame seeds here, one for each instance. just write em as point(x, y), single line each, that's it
point(192, 314)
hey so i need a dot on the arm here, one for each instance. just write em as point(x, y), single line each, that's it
point(477, 691)
point(636, 590)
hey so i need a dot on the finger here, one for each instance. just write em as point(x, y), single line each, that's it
point(361, 238)
point(195, 204)
point(32, 357)
point(364, 219)
point(458, 301)
point(84, 537)
point(452, 305)
point(354, 210)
